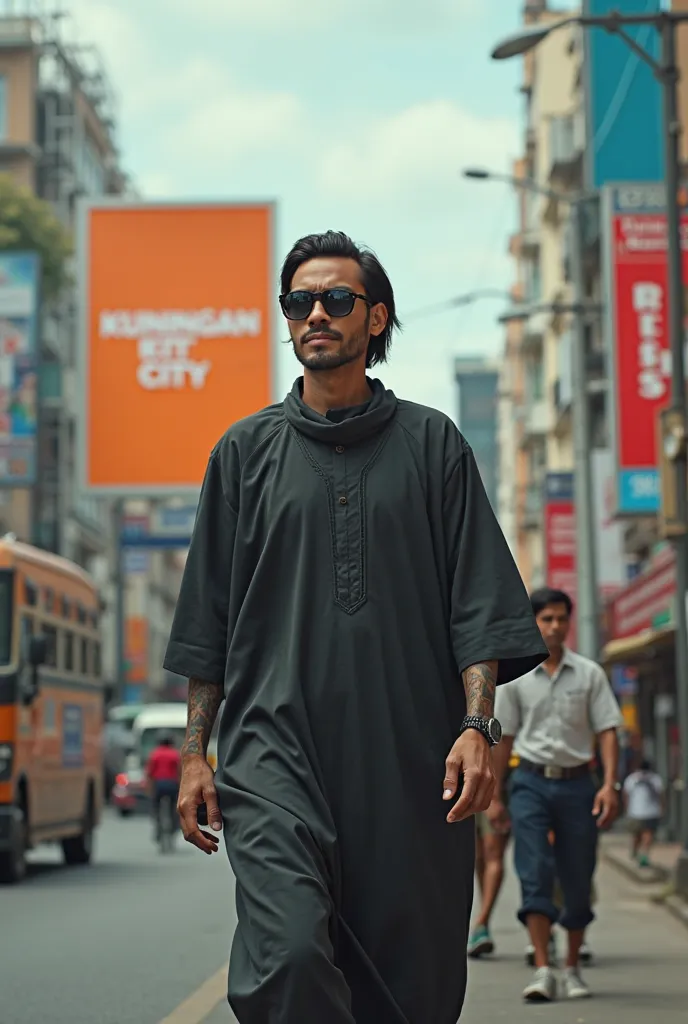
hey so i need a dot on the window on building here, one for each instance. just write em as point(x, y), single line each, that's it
point(3, 107)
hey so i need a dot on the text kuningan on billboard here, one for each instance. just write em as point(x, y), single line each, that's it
point(166, 339)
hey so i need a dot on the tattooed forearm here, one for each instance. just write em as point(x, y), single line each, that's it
point(204, 703)
point(479, 683)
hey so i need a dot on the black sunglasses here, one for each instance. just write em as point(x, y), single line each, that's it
point(336, 302)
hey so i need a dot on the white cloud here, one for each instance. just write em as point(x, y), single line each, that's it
point(304, 15)
point(414, 152)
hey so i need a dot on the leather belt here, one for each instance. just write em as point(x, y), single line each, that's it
point(553, 771)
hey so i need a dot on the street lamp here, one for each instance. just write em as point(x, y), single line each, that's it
point(586, 565)
point(667, 74)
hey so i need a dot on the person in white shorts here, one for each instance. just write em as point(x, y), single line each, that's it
point(643, 794)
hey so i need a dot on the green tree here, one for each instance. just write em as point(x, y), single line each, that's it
point(28, 224)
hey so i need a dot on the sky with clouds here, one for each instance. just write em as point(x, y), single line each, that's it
point(355, 116)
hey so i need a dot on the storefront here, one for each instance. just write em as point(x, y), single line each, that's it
point(640, 657)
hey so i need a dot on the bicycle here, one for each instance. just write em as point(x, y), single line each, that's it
point(167, 823)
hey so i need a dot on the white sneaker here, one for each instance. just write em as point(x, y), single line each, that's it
point(543, 987)
point(530, 953)
point(573, 985)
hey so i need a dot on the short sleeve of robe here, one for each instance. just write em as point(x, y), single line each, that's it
point(198, 641)
point(491, 616)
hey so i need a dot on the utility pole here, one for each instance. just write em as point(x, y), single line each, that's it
point(672, 133)
point(586, 565)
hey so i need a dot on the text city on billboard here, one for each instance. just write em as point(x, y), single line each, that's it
point(637, 335)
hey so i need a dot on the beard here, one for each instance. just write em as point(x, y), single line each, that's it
point(344, 352)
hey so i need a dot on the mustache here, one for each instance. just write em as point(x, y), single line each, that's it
point(332, 335)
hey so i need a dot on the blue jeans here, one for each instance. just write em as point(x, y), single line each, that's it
point(564, 806)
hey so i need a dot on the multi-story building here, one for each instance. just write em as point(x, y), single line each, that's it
point(477, 383)
point(564, 139)
point(538, 341)
point(58, 138)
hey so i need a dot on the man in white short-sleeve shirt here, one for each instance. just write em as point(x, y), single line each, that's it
point(643, 793)
point(553, 718)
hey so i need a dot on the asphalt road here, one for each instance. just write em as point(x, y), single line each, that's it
point(140, 938)
point(125, 940)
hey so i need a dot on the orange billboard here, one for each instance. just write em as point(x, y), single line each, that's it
point(176, 338)
point(136, 649)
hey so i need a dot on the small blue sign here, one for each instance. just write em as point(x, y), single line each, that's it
point(559, 487)
point(72, 735)
point(638, 491)
point(624, 681)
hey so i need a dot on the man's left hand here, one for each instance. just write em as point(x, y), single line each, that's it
point(470, 760)
point(606, 806)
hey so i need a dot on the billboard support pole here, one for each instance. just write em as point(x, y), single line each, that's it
point(587, 618)
point(672, 129)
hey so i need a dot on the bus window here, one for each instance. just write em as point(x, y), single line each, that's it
point(31, 592)
point(68, 648)
point(50, 634)
point(5, 618)
point(26, 627)
point(83, 661)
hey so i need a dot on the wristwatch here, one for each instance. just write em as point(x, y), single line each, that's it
point(487, 727)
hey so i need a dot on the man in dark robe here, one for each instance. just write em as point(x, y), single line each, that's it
point(346, 575)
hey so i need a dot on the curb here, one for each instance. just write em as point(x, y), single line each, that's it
point(646, 877)
point(678, 908)
point(643, 876)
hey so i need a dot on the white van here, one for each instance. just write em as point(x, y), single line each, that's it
point(156, 719)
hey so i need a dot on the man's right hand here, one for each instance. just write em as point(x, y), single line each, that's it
point(197, 787)
point(498, 816)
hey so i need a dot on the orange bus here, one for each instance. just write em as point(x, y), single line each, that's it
point(51, 707)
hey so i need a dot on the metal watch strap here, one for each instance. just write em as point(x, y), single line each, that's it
point(478, 723)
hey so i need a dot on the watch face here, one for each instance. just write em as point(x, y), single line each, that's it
point(495, 730)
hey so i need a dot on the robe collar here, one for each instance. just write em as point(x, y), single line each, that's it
point(378, 412)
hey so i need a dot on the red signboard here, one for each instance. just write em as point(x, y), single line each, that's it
point(637, 329)
point(646, 598)
point(643, 359)
point(560, 539)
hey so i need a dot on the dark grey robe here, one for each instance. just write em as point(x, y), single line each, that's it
point(343, 571)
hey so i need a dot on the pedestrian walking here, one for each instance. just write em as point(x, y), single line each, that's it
point(349, 592)
point(491, 846)
point(552, 718)
point(643, 793)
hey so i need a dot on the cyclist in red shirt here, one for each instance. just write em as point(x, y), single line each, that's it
point(164, 772)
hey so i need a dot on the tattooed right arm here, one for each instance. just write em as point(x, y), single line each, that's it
point(204, 704)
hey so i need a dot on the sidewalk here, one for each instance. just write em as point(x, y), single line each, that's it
point(616, 849)
point(639, 974)
point(640, 971)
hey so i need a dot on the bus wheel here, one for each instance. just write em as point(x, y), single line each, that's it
point(79, 849)
point(13, 861)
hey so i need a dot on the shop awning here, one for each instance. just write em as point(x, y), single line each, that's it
point(634, 648)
